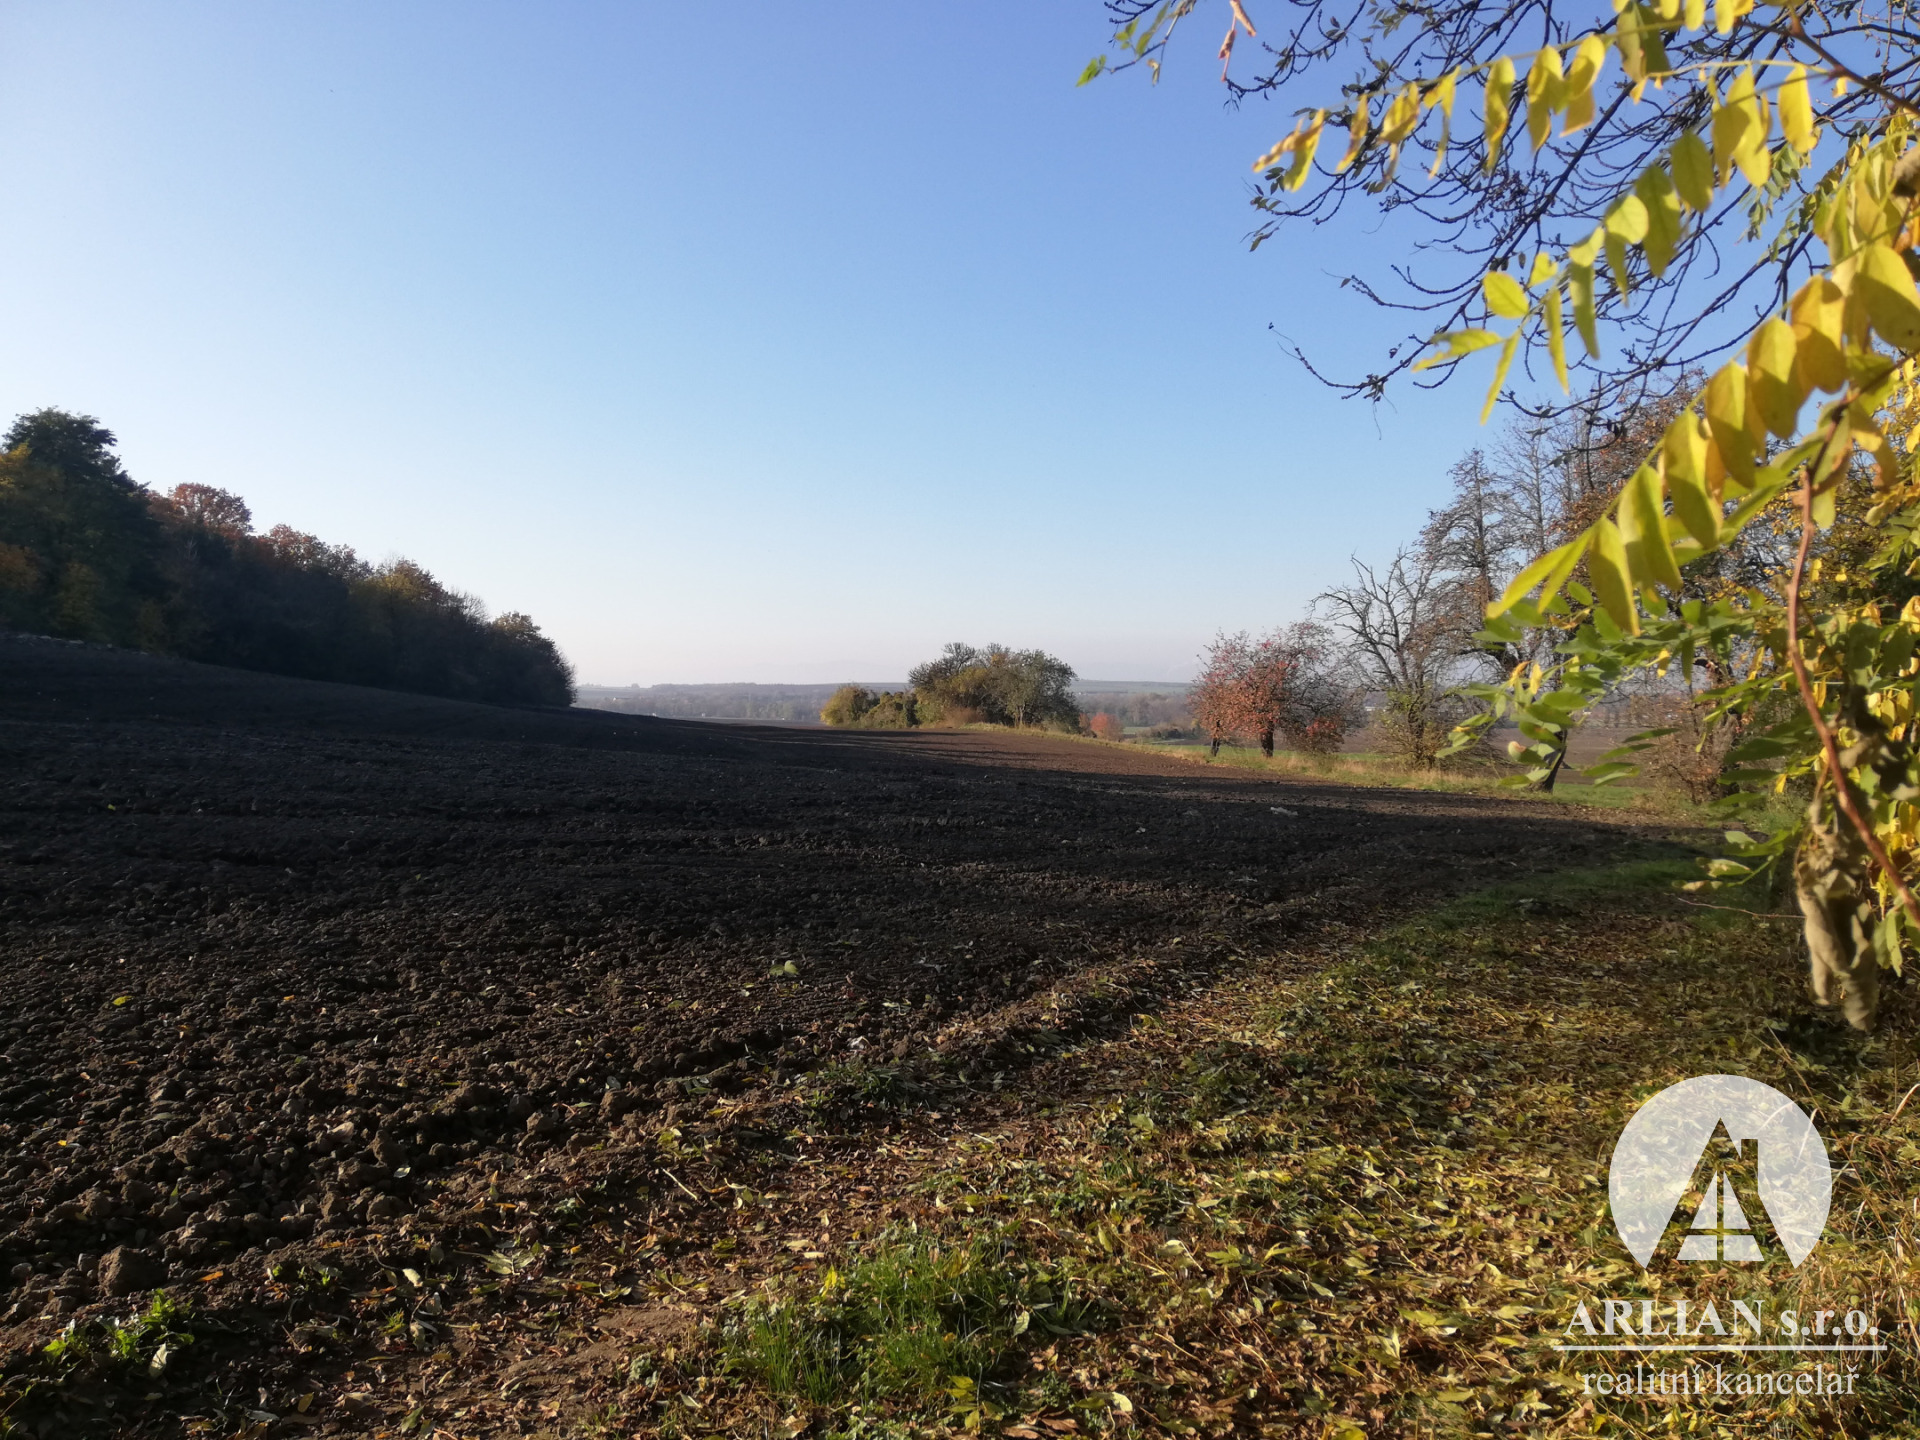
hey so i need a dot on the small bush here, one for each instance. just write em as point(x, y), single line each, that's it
point(856, 707)
point(1107, 727)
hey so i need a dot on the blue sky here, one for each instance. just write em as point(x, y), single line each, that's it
point(751, 342)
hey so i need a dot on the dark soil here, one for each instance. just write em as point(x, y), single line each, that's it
point(286, 960)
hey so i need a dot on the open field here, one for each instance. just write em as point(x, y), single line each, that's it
point(471, 1071)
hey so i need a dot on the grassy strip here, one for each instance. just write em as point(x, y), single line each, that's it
point(1368, 1202)
point(1362, 768)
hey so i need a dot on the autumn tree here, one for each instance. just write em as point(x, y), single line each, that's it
point(219, 511)
point(1214, 698)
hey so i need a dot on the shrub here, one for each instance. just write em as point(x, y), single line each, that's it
point(847, 705)
point(856, 707)
point(1107, 727)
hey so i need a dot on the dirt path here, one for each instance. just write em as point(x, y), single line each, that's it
point(282, 956)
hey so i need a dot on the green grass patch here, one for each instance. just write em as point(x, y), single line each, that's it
point(919, 1318)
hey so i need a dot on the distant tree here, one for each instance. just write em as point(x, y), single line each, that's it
point(294, 547)
point(79, 446)
point(1215, 697)
point(1107, 727)
point(82, 550)
point(220, 511)
point(1406, 629)
point(847, 705)
point(996, 685)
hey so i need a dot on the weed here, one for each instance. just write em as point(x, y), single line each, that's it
point(914, 1319)
point(845, 1088)
point(144, 1342)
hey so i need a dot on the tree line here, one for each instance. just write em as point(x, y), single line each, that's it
point(88, 553)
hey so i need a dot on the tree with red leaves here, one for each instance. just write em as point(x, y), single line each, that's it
point(1214, 699)
point(1283, 683)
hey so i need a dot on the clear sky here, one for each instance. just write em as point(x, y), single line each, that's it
point(746, 342)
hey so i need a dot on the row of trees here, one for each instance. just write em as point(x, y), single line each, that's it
point(87, 553)
point(967, 685)
point(1408, 634)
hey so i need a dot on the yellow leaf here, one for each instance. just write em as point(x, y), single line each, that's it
point(1305, 133)
point(1818, 313)
point(1727, 417)
point(1644, 532)
point(1402, 116)
point(1774, 395)
point(1580, 281)
point(1607, 566)
point(1556, 335)
point(1356, 132)
point(1626, 224)
point(1500, 375)
point(1543, 269)
point(1727, 13)
point(1453, 344)
point(1441, 98)
point(1693, 171)
point(1885, 457)
point(1693, 14)
point(1504, 295)
point(1796, 111)
point(1733, 124)
point(1547, 574)
point(1543, 94)
point(1683, 456)
point(1628, 219)
point(1588, 61)
point(1499, 103)
point(1655, 191)
point(1886, 290)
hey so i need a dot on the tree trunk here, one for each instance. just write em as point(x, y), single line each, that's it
point(1831, 882)
point(1215, 751)
point(1266, 743)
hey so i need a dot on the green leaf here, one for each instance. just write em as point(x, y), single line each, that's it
point(1094, 67)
